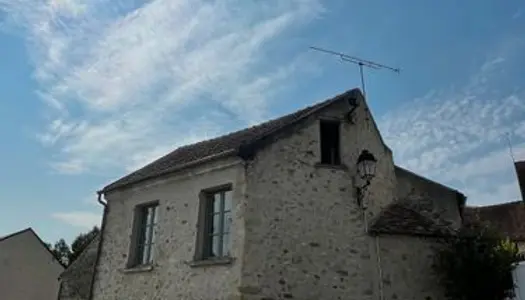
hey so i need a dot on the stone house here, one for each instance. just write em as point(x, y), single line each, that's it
point(280, 210)
point(28, 270)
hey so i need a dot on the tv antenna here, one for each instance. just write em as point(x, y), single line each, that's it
point(360, 62)
point(511, 152)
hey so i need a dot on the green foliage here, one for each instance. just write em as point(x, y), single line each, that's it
point(61, 251)
point(477, 264)
point(81, 242)
point(67, 255)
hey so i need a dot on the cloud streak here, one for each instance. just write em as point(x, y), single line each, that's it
point(80, 219)
point(127, 83)
point(459, 135)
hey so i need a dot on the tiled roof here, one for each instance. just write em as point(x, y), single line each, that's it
point(226, 144)
point(398, 218)
point(76, 279)
point(507, 218)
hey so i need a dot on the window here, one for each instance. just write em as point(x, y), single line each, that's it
point(217, 219)
point(144, 234)
point(330, 142)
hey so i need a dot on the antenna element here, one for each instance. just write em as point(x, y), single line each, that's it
point(510, 147)
point(360, 62)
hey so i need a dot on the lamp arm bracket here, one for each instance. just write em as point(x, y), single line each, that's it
point(361, 193)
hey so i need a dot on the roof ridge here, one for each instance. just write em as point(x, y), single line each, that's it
point(496, 205)
point(258, 125)
point(226, 144)
point(5, 237)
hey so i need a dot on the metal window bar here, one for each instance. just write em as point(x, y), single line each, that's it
point(220, 231)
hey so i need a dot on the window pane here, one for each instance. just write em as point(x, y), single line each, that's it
point(144, 255)
point(225, 244)
point(154, 211)
point(216, 227)
point(151, 246)
point(146, 235)
point(153, 234)
point(228, 200)
point(215, 245)
point(329, 142)
point(216, 202)
point(149, 215)
point(227, 222)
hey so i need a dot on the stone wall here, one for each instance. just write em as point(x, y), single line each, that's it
point(406, 267)
point(436, 200)
point(305, 234)
point(171, 277)
point(75, 282)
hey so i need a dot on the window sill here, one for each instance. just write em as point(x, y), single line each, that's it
point(138, 269)
point(211, 262)
point(329, 166)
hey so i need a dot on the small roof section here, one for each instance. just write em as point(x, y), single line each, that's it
point(508, 218)
point(398, 218)
point(228, 144)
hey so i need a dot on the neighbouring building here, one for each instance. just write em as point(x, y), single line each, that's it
point(28, 270)
point(306, 206)
point(507, 218)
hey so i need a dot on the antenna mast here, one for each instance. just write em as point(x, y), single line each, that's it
point(510, 147)
point(360, 62)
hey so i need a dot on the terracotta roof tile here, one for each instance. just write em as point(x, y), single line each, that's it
point(508, 218)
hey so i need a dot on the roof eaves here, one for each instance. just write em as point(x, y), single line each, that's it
point(112, 187)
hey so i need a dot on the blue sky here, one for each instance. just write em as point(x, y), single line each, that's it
point(95, 88)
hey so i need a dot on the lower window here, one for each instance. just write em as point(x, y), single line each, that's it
point(144, 235)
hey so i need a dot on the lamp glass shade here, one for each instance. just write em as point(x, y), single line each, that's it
point(366, 165)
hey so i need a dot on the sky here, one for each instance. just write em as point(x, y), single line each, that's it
point(93, 89)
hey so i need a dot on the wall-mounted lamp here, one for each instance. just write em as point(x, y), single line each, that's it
point(366, 168)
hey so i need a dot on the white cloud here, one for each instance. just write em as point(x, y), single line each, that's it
point(68, 7)
point(81, 219)
point(128, 83)
point(459, 136)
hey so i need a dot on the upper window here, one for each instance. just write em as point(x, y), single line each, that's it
point(217, 225)
point(144, 236)
point(330, 153)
